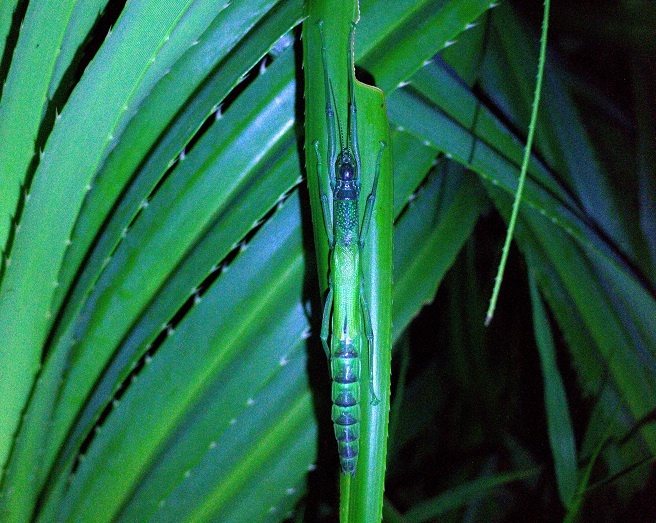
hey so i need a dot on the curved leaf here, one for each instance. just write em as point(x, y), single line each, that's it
point(79, 141)
point(362, 497)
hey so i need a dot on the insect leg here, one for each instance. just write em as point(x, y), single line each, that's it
point(330, 111)
point(366, 315)
point(369, 207)
point(352, 109)
point(327, 221)
point(325, 322)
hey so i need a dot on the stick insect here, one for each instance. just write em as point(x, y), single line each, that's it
point(351, 325)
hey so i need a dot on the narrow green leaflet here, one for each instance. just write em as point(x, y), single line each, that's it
point(535, 104)
point(7, 14)
point(82, 19)
point(559, 423)
point(399, 37)
point(361, 498)
point(439, 220)
point(24, 102)
point(462, 495)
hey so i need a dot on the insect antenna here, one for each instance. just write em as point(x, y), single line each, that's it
point(339, 124)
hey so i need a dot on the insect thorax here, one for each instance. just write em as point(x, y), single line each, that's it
point(346, 218)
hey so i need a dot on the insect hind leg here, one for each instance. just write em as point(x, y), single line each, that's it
point(369, 332)
point(325, 322)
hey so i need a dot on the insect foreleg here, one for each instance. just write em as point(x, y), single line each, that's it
point(327, 221)
point(325, 322)
point(369, 332)
point(369, 207)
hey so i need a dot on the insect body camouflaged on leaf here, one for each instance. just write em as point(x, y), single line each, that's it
point(350, 330)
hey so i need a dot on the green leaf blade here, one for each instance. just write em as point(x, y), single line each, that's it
point(203, 187)
point(77, 144)
point(24, 102)
point(216, 342)
point(559, 423)
point(416, 34)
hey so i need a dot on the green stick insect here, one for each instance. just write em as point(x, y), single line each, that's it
point(351, 319)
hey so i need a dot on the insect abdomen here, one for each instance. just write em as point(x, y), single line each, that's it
point(345, 365)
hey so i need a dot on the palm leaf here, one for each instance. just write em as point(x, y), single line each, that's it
point(157, 267)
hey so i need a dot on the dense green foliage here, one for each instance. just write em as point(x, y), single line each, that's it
point(159, 305)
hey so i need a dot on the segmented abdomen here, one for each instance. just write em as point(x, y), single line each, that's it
point(345, 367)
point(346, 339)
